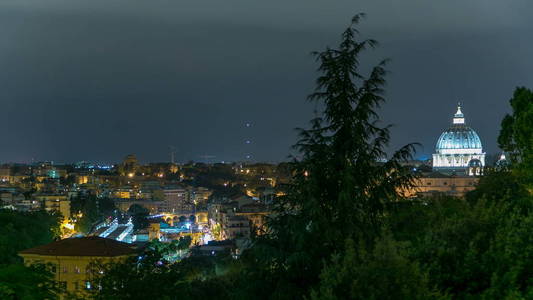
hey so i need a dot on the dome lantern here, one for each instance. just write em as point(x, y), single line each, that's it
point(459, 118)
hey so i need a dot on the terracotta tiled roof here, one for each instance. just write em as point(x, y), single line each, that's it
point(85, 246)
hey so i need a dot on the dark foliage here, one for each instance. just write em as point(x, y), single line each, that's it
point(93, 209)
point(149, 275)
point(29, 283)
point(139, 215)
point(20, 231)
point(342, 182)
point(516, 135)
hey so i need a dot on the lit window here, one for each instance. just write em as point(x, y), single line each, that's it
point(88, 285)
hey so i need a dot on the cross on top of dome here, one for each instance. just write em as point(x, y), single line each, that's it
point(459, 118)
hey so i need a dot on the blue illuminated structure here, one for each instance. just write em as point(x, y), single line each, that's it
point(456, 147)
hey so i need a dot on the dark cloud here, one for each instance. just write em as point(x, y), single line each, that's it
point(99, 79)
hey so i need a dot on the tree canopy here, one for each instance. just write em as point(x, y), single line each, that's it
point(20, 231)
point(516, 135)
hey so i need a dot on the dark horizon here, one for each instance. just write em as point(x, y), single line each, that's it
point(97, 81)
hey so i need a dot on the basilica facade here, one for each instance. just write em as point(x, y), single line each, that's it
point(459, 150)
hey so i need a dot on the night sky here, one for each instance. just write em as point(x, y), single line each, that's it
point(96, 80)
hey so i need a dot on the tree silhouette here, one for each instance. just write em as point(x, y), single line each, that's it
point(343, 178)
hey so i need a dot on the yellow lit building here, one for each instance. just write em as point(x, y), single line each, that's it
point(52, 202)
point(201, 217)
point(5, 174)
point(70, 258)
point(436, 183)
point(173, 168)
point(82, 179)
point(154, 231)
point(123, 193)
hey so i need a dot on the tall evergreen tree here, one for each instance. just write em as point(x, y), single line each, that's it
point(343, 179)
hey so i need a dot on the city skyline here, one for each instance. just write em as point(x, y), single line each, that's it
point(97, 81)
point(304, 149)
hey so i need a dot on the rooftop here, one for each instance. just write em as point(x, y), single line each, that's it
point(85, 246)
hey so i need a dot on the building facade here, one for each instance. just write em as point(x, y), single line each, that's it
point(235, 227)
point(70, 259)
point(55, 202)
point(440, 184)
point(176, 199)
point(459, 150)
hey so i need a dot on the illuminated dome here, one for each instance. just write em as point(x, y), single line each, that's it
point(457, 146)
point(459, 136)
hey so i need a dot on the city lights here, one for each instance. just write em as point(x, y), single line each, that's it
point(266, 150)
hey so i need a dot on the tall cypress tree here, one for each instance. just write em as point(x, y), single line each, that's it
point(343, 179)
